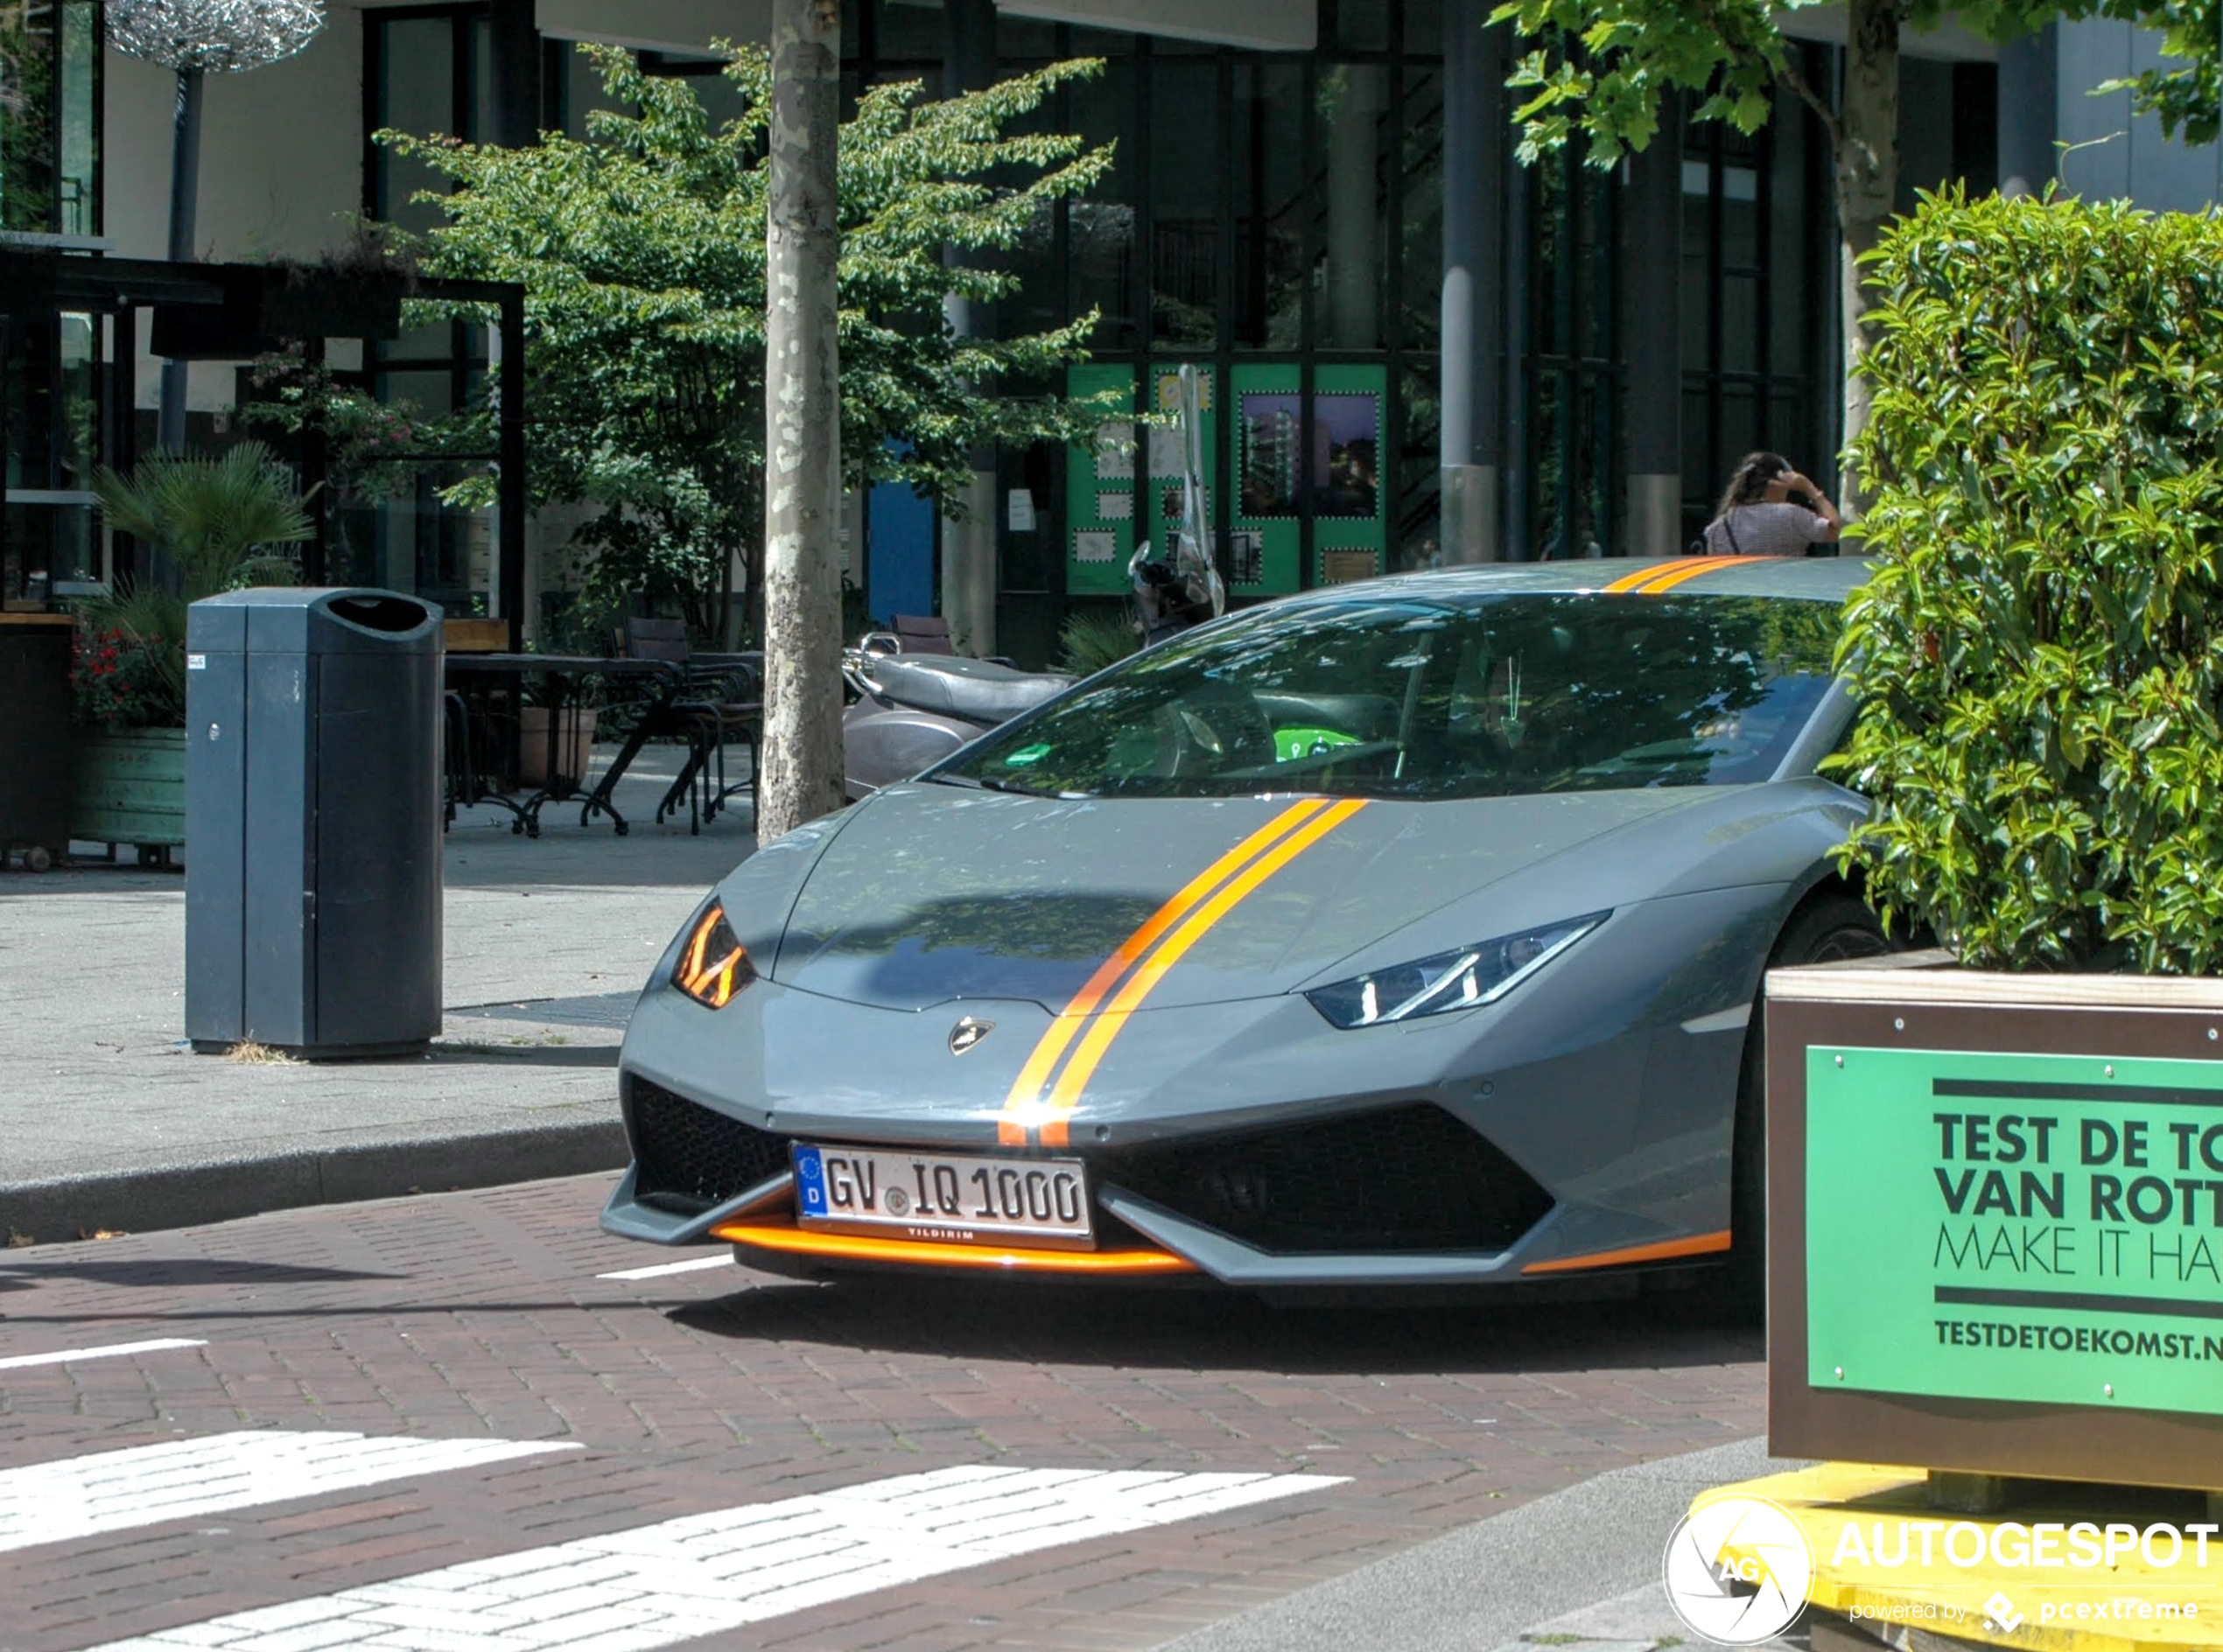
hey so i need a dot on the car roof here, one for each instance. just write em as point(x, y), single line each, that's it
point(1797, 579)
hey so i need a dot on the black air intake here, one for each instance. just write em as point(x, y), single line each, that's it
point(690, 1157)
point(1406, 1178)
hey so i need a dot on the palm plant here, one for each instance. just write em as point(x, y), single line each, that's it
point(213, 516)
point(216, 518)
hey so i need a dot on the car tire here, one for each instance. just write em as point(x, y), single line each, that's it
point(1827, 929)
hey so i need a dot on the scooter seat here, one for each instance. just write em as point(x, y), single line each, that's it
point(973, 691)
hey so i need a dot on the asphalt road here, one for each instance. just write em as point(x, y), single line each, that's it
point(440, 1423)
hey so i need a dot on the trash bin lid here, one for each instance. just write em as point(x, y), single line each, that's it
point(314, 620)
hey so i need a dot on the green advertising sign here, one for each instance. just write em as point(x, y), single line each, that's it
point(1100, 490)
point(2016, 1227)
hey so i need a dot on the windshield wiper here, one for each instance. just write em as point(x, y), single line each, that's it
point(981, 782)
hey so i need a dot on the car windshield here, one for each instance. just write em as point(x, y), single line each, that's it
point(1502, 696)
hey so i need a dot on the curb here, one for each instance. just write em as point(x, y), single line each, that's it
point(191, 1195)
point(1534, 1576)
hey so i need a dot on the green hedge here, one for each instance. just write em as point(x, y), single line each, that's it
point(2038, 653)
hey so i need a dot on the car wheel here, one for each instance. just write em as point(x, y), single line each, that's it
point(1824, 930)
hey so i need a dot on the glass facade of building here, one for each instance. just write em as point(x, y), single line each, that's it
point(1277, 220)
point(1270, 219)
point(427, 70)
point(56, 399)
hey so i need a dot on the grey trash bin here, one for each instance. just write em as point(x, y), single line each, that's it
point(312, 822)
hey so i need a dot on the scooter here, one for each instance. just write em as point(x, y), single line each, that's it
point(911, 710)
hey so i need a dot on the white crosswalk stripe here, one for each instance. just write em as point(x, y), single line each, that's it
point(113, 1351)
point(693, 1264)
point(113, 1491)
point(706, 1574)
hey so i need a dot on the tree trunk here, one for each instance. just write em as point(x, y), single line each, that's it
point(1868, 183)
point(802, 699)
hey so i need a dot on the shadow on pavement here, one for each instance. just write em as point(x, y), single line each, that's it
point(175, 1270)
point(525, 1055)
point(1203, 1328)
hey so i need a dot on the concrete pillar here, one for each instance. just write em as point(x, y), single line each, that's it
point(2029, 80)
point(1474, 289)
point(513, 47)
point(1353, 312)
point(969, 541)
point(1519, 517)
point(1651, 283)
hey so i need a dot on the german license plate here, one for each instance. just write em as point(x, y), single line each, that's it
point(944, 1197)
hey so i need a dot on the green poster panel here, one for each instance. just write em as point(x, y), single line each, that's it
point(1997, 1227)
point(1266, 536)
point(1100, 490)
point(1162, 451)
point(1349, 494)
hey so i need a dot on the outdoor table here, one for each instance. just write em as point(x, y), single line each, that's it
point(566, 675)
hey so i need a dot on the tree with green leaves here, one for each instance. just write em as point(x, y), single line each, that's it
point(1612, 69)
point(642, 249)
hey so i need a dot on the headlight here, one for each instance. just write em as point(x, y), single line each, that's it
point(1457, 980)
point(714, 965)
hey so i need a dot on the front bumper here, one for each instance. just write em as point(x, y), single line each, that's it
point(1404, 1194)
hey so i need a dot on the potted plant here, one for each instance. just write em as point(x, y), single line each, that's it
point(2037, 663)
point(556, 732)
point(216, 519)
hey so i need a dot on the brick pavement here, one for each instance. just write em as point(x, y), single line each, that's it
point(476, 1316)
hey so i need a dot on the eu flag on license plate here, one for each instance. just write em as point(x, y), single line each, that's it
point(810, 1181)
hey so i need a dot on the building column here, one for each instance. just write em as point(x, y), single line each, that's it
point(1351, 318)
point(2028, 82)
point(969, 541)
point(513, 51)
point(1652, 334)
point(1474, 291)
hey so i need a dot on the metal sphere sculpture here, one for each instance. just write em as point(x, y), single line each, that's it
point(213, 36)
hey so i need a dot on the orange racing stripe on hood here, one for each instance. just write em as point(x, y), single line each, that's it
point(1026, 1090)
point(1652, 578)
point(1677, 575)
point(1107, 1027)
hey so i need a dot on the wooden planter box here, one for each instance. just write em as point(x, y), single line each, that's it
point(130, 788)
point(1996, 1222)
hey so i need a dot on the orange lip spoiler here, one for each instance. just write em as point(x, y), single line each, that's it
point(785, 1237)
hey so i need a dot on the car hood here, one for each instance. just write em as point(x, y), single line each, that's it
point(932, 894)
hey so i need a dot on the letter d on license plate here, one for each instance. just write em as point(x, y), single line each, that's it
point(944, 1197)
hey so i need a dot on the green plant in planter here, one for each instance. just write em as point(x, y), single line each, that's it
point(216, 518)
point(121, 679)
point(1093, 639)
point(2039, 654)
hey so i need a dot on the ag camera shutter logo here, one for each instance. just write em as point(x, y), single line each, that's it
point(1737, 1571)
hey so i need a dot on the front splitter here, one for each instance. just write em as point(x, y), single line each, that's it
point(785, 1237)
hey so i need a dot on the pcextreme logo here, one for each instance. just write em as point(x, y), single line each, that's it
point(1738, 1569)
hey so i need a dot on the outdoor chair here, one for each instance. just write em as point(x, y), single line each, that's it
point(924, 634)
point(719, 704)
point(929, 634)
point(473, 731)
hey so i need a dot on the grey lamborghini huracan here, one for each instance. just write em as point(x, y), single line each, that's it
point(1406, 932)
